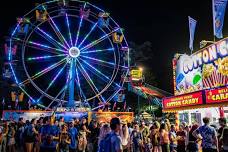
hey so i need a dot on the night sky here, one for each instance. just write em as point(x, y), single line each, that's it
point(163, 23)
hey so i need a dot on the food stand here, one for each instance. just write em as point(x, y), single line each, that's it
point(200, 84)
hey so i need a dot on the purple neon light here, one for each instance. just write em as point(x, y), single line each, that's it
point(98, 40)
point(57, 29)
point(95, 51)
point(69, 33)
point(45, 57)
point(88, 34)
point(98, 71)
point(53, 81)
point(79, 28)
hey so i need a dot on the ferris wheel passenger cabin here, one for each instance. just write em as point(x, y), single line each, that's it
point(136, 76)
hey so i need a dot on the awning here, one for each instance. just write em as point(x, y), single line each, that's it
point(174, 110)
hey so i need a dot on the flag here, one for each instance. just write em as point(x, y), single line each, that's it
point(219, 9)
point(125, 105)
point(192, 27)
point(114, 106)
point(3, 101)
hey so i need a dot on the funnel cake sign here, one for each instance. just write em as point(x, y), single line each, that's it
point(183, 100)
point(207, 68)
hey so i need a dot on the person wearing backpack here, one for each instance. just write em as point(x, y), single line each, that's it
point(30, 134)
point(112, 141)
point(104, 131)
point(115, 143)
point(47, 137)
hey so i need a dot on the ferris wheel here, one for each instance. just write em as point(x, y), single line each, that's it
point(68, 52)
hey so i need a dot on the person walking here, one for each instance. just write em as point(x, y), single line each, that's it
point(193, 142)
point(181, 138)
point(164, 138)
point(30, 136)
point(64, 139)
point(73, 137)
point(82, 140)
point(173, 138)
point(224, 140)
point(208, 135)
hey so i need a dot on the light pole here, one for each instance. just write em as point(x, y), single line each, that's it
point(203, 43)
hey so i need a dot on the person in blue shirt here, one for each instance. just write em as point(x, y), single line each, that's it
point(73, 135)
point(56, 128)
point(208, 135)
point(47, 137)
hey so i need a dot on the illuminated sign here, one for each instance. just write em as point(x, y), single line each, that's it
point(69, 109)
point(136, 74)
point(183, 100)
point(217, 95)
point(207, 68)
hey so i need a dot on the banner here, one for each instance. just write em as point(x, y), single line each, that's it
point(107, 116)
point(183, 101)
point(205, 69)
point(219, 9)
point(192, 27)
point(217, 95)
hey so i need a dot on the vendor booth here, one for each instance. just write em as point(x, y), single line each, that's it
point(200, 84)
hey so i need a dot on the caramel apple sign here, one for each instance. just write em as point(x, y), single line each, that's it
point(217, 95)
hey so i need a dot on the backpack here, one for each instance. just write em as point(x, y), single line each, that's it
point(29, 132)
point(105, 144)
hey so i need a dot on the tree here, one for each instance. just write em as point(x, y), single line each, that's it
point(142, 55)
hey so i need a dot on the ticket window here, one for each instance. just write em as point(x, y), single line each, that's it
point(196, 118)
point(183, 117)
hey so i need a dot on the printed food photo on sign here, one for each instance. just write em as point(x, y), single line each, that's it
point(186, 80)
point(204, 69)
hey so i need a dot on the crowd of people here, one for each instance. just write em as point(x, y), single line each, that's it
point(46, 135)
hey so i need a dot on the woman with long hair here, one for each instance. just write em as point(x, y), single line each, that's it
point(192, 141)
point(181, 138)
point(82, 141)
point(164, 138)
point(124, 134)
point(154, 136)
point(30, 135)
point(224, 139)
point(64, 139)
point(11, 138)
point(136, 139)
point(104, 131)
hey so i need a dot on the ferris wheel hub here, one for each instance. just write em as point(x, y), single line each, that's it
point(74, 52)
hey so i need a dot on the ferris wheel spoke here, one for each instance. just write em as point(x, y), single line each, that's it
point(44, 57)
point(78, 84)
point(79, 27)
point(88, 34)
point(61, 91)
point(50, 38)
point(56, 29)
point(46, 36)
point(53, 81)
point(96, 51)
point(45, 46)
point(90, 82)
point(99, 60)
point(44, 71)
point(96, 72)
point(68, 26)
point(97, 41)
point(39, 46)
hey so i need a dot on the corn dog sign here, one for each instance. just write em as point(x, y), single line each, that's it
point(217, 95)
point(183, 100)
point(205, 69)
